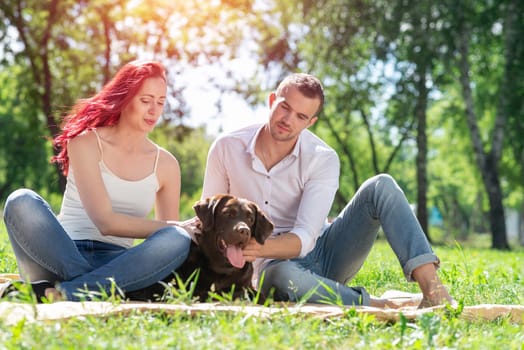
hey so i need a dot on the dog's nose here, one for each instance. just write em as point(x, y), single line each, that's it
point(243, 230)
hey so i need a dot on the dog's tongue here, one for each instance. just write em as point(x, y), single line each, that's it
point(235, 256)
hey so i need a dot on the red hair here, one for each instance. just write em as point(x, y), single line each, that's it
point(104, 108)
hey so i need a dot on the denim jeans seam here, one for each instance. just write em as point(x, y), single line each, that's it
point(23, 244)
point(141, 278)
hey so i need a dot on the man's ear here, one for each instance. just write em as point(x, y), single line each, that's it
point(312, 121)
point(271, 99)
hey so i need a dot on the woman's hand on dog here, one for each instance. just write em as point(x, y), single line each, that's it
point(193, 227)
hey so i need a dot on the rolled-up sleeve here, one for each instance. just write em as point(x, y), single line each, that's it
point(320, 187)
point(296, 194)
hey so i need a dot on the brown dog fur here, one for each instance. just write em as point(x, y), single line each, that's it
point(228, 223)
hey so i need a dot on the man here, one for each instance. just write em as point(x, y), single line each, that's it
point(293, 176)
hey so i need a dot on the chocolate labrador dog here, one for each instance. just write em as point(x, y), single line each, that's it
point(228, 223)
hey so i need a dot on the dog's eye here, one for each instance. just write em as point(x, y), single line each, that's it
point(229, 213)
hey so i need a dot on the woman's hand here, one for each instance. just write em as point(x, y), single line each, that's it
point(193, 226)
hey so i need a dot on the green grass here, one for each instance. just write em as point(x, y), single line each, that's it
point(475, 275)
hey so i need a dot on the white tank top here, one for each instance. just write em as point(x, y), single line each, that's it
point(135, 198)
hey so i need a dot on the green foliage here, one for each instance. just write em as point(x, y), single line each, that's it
point(371, 57)
point(190, 147)
point(180, 291)
point(451, 166)
point(471, 271)
point(384, 65)
point(474, 275)
point(55, 52)
point(24, 149)
point(368, 112)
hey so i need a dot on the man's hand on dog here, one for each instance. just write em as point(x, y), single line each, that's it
point(252, 250)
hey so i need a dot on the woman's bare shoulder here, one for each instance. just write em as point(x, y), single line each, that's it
point(85, 139)
point(166, 157)
point(168, 165)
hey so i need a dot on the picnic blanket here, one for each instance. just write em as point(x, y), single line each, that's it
point(12, 313)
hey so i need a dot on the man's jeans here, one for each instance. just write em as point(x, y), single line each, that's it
point(44, 251)
point(322, 275)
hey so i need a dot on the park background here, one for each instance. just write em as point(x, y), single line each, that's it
point(431, 92)
point(428, 91)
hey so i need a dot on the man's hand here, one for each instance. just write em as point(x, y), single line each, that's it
point(283, 246)
point(252, 250)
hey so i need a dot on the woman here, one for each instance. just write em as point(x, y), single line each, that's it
point(115, 176)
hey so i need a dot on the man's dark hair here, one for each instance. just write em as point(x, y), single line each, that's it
point(309, 85)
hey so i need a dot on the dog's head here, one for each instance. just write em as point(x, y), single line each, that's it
point(228, 223)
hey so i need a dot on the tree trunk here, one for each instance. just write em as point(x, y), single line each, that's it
point(347, 153)
point(487, 163)
point(37, 50)
point(422, 146)
point(47, 76)
point(521, 226)
point(496, 208)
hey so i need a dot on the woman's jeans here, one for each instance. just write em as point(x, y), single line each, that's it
point(321, 276)
point(44, 251)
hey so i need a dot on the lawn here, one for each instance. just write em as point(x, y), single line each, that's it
point(474, 274)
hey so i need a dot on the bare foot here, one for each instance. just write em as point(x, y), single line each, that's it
point(52, 294)
point(393, 303)
point(438, 296)
point(433, 291)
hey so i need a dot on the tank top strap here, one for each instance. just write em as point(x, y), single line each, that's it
point(99, 144)
point(156, 159)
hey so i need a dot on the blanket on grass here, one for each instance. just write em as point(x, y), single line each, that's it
point(12, 313)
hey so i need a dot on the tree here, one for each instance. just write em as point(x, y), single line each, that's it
point(410, 37)
point(470, 21)
point(352, 44)
point(23, 154)
point(71, 48)
point(349, 46)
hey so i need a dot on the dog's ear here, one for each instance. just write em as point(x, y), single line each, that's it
point(205, 209)
point(263, 226)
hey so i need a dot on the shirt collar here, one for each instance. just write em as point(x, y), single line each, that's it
point(251, 145)
point(296, 149)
